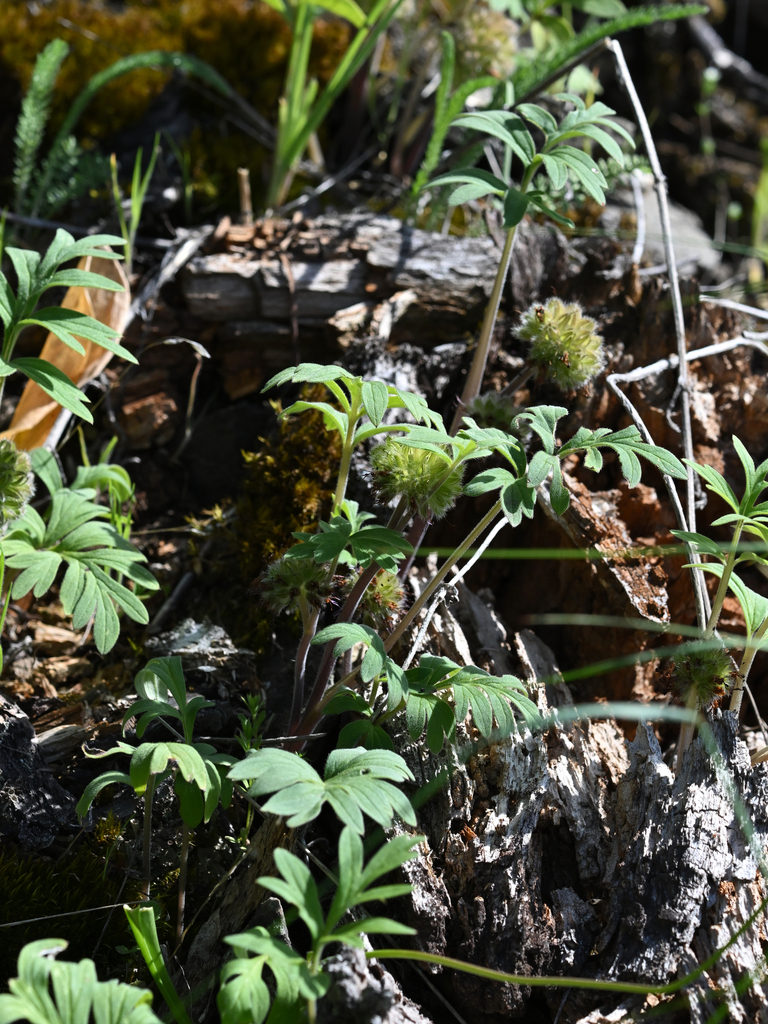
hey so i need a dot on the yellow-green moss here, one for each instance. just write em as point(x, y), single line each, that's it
point(289, 486)
point(246, 41)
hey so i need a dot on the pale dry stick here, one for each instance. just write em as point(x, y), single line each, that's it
point(458, 575)
point(660, 184)
point(739, 307)
point(637, 192)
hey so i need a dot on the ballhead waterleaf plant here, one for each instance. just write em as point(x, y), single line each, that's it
point(437, 680)
point(356, 782)
point(36, 274)
point(564, 344)
point(291, 583)
point(16, 486)
point(49, 991)
point(417, 475)
point(72, 532)
point(702, 673)
point(556, 157)
point(244, 997)
point(493, 409)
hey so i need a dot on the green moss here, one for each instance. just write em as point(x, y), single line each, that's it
point(246, 42)
point(289, 487)
point(34, 886)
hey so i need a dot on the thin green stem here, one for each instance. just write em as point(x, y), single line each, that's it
point(300, 668)
point(149, 792)
point(474, 379)
point(725, 579)
point(183, 862)
point(747, 658)
point(440, 575)
point(346, 455)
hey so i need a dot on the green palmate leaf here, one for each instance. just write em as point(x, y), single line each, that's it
point(753, 605)
point(49, 991)
point(490, 698)
point(705, 545)
point(333, 419)
point(539, 116)
point(375, 396)
point(476, 183)
point(355, 783)
point(540, 468)
point(543, 420)
point(515, 205)
point(628, 445)
point(556, 171)
point(93, 788)
point(154, 759)
point(716, 483)
point(538, 199)
point(584, 169)
point(365, 733)
point(244, 997)
point(503, 125)
point(348, 634)
point(75, 534)
point(488, 480)
point(308, 373)
point(518, 499)
point(82, 279)
point(66, 324)
point(416, 405)
point(54, 383)
point(46, 467)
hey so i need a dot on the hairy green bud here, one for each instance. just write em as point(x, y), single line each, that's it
point(417, 475)
point(382, 601)
point(16, 487)
point(493, 409)
point(294, 583)
point(703, 674)
point(565, 345)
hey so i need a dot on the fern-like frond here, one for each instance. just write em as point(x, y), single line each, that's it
point(34, 116)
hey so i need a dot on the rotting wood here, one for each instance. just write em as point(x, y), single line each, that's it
point(585, 855)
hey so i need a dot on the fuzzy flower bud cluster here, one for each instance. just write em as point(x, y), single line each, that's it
point(294, 583)
point(702, 674)
point(565, 345)
point(382, 601)
point(493, 409)
point(417, 475)
point(16, 487)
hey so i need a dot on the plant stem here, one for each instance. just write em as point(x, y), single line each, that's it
point(310, 628)
point(474, 380)
point(747, 658)
point(722, 589)
point(183, 860)
point(149, 792)
point(440, 575)
point(346, 455)
point(517, 382)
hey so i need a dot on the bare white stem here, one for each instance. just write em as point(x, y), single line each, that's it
point(660, 183)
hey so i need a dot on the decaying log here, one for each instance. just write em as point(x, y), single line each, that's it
point(577, 853)
point(33, 805)
point(355, 276)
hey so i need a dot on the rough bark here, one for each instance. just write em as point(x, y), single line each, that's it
point(33, 805)
point(577, 853)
